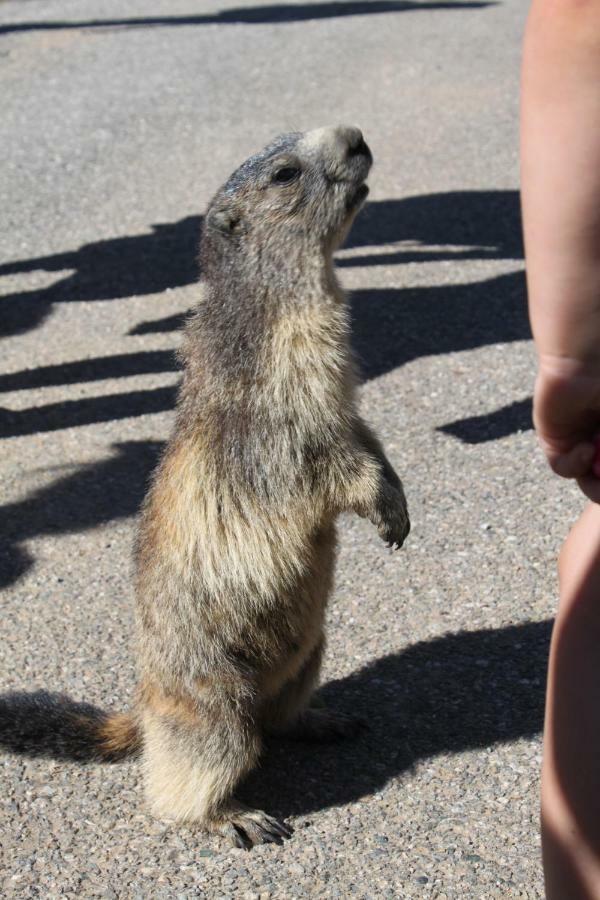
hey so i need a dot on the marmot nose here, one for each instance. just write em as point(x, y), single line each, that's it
point(350, 141)
point(352, 137)
point(343, 150)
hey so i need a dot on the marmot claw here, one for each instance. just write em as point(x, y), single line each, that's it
point(395, 528)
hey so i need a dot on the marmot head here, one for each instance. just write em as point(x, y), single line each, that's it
point(296, 197)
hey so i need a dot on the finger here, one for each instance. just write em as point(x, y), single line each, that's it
point(596, 460)
point(590, 486)
point(574, 463)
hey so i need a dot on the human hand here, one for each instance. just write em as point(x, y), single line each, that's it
point(566, 413)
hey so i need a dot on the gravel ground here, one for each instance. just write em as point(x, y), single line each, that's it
point(119, 120)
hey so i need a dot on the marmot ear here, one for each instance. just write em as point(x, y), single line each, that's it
point(225, 220)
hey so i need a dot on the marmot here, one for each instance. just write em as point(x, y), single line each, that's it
point(236, 543)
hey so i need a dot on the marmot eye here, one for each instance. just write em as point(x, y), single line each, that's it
point(286, 175)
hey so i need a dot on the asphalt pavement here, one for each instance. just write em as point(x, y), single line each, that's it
point(118, 121)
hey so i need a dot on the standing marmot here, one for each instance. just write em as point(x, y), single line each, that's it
point(236, 543)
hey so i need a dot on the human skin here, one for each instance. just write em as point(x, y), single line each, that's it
point(560, 158)
point(571, 768)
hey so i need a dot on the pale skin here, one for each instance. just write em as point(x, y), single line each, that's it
point(560, 154)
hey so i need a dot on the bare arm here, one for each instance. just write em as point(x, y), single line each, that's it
point(561, 215)
point(560, 155)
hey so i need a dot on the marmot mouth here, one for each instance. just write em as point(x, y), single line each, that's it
point(358, 196)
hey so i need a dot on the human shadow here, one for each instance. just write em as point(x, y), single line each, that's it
point(391, 327)
point(271, 14)
point(159, 326)
point(514, 417)
point(485, 224)
point(464, 224)
point(113, 269)
point(86, 411)
point(458, 224)
point(121, 365)
point(460, 692)
point(99, 492)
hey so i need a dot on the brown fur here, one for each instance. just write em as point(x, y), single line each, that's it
point(116, 737)
point(236, 544)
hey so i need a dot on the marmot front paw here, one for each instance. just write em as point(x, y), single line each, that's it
point(394, 525)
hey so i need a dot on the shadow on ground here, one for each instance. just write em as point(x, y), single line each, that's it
point(113, 269)
point(87, 411)
point(120, 365)
point(272, 14)
point(492, 426)
point(100, 492)
point(391, 327)
point(475, 224)
point(455, 693)
point(451, 694)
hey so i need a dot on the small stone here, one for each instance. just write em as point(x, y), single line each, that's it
point(46, 791)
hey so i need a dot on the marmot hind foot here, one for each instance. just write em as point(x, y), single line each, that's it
point(245, 827)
